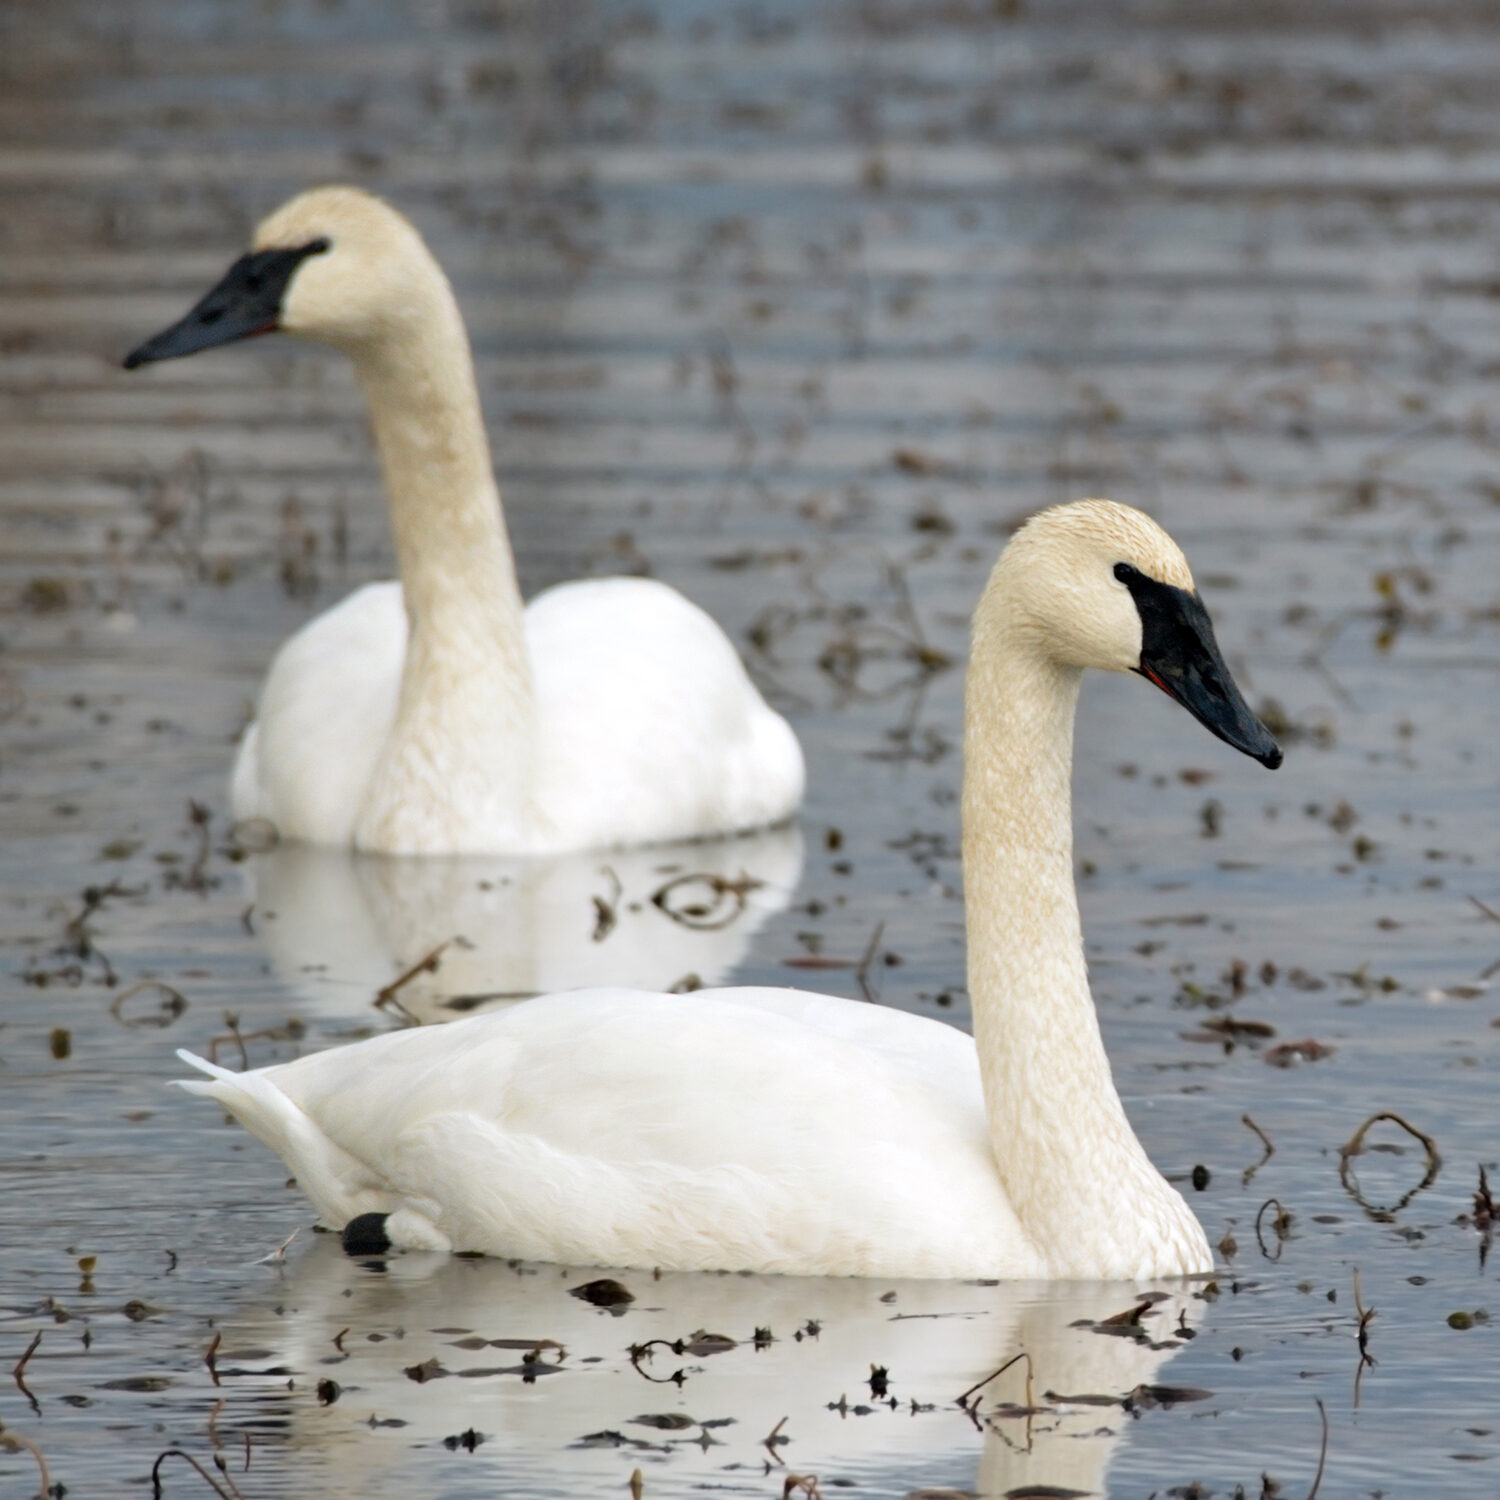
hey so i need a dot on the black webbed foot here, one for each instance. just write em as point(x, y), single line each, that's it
point(365, 1235)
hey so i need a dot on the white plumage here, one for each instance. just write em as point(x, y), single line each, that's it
point(778, 1131)
point(764, 1130)
point(435, 715)
point(646, 728)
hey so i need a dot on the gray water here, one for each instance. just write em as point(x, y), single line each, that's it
point(797, 307)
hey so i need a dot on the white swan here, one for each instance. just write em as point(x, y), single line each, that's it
point(436, 715)
point(772, 1130)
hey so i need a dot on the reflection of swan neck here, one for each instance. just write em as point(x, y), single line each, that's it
point(340, 926)
point(1071, 1165)
point(466, 685)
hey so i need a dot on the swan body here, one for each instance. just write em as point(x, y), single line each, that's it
point(631, 682)
point(603, 1153)
point(436, 715)
point(768, 1130)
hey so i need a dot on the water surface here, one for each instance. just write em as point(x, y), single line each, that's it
point(798, 308)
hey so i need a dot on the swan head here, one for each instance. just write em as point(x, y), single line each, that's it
point(1097, 584)
point(335, 264)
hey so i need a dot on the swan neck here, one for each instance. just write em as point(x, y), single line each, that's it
point(446, 516)
point(1071, 1165)
point(464, 721)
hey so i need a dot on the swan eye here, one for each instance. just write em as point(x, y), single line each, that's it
point(1125, 573)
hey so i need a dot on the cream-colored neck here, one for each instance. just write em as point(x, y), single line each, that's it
point(462, 737)
point(1072, 1168)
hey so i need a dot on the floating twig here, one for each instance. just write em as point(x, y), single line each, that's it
point(279, 1253)
point(772, 1438)
point(199, 818)
point(638, 1352)
point(807, 1483)
point(290, 1031)
point(213, 1433)
point(426, 965)
point(1484, 1215)
point(19, 1374)
point(1281, 1225)
point(75, 930)
point(698, 916)
point(1366, 1316)
point(973, 1390)
point(1491, 970)
point(606, 910)
point(232, 1021)
point(173, 1003)
point(1355, 1145)
point(862, 973)
point(1489, 911)
point(232, 1493)
point(209, 1358)
point(1484, 1205)
point(1265, 1141)
point(13, 1442)
point(1312, 1494)
point(78, 940)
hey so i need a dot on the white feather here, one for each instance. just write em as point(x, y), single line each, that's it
point(767, 1130)
point(647, 728)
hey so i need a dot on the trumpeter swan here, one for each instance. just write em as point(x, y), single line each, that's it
point(774, 1130)
point(436, 715)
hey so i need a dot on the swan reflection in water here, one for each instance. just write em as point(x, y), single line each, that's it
point(504, 1356)
point(342, 927)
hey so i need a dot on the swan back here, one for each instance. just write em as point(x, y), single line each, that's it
point(745, 1129)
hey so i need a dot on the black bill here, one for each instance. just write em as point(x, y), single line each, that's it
point(1180, 655)
point(246, 301)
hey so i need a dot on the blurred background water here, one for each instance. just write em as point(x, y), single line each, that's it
point(799, 307)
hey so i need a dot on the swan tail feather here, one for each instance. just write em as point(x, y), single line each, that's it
point(340, 1186)
point(197, 1085)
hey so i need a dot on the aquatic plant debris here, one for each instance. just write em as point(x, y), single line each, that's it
point(605, 1292)
point(1355, 1144)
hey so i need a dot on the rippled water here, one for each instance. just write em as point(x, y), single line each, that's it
point(797, 307)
